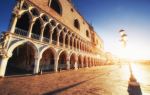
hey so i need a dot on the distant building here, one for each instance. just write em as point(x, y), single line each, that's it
point(48, 35)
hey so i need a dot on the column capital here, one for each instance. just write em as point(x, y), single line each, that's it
point(32, 22)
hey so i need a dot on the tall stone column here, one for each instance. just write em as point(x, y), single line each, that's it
point(76, 64)
point(13, 23)
point(86, 63)
point(3, 65)
point(68, 62)
point(56, 65)
point(82, 65)
point(37, 65)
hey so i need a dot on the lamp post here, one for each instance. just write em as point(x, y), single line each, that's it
point(124, 42)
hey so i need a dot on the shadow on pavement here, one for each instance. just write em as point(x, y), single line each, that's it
point(55, 92)
point(64, 88)
point(134, 87)
point(67, 87)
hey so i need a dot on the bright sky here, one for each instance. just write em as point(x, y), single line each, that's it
point(107, 18)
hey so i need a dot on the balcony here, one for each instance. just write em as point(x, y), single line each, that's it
point(21, 32)
point(47, 40)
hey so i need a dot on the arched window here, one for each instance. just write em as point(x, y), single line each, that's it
point(76, 24)
point(36, 30)
point(61, 37)
point(24, 22)
point(45, 18)
point(54, 35)
point(46, 33)
point(55, 4)
point(35, 12)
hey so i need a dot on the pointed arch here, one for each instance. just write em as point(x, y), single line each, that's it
point(61, 37)
point(46, 34)
point(62, 62)
point(48, 59)
point(36, 30)
point(55, 34)
point(66, 40)
point(23, 22)
point(55, 5)
point(76, 24)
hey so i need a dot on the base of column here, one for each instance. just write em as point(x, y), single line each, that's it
point(1, 77)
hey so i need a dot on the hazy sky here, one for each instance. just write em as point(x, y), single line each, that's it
point(107, 18)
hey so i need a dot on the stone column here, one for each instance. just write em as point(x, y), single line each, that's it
point(51, 32)
point(86, 63)
point(76, 44)
point(3, 65)
point(68, 62)
point(13, 23)
point(56, 65)
point(79, 46)
point(30, 29)
point(76, 64)
point(42, 32)
point(37, 65)
point(82, 65)
point(68, 42)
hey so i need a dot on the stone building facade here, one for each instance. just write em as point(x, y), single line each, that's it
point(48, 35)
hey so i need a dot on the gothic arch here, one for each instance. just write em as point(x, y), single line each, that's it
point(66, 40)
point(35, 12)
point(47, 61)
point(62, 61)
point(16, 44)
point(37, 28)
point(80, 61)
point(61, 37)
point(76, 24)
point(24, 52)
point(72, 60)
point(55, 34)
point(55, 5)
point(46, 33)
point(48, 47)
point(23, 22)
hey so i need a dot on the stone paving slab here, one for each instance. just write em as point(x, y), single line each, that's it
point(102, 80)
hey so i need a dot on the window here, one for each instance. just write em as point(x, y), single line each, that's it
point(76, 24)
point(72, 10)
point(87, 33)
point(45, 18)
point(55, 5)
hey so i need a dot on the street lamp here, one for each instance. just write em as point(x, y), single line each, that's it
point(124, 42)
point(132, 81)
